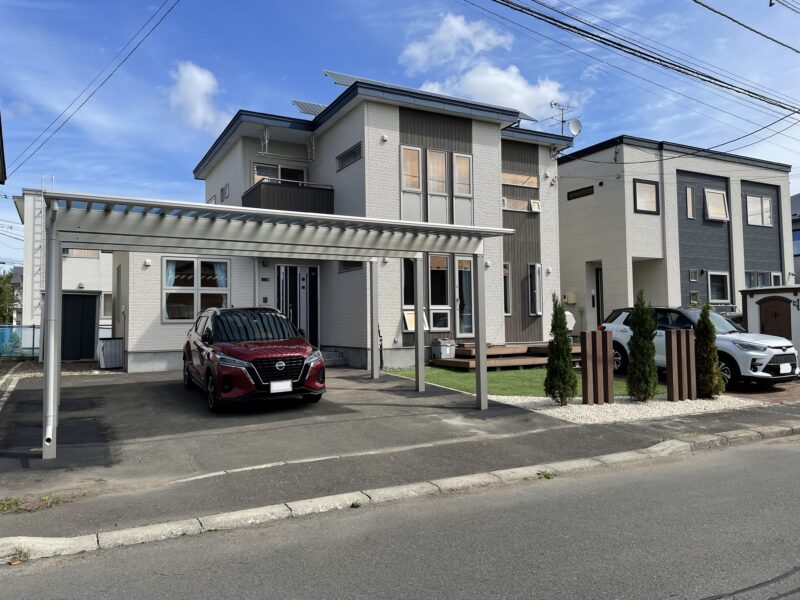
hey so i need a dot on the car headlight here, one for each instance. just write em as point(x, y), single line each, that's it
point(229, 361)
point(750, 347)
point(314, 357)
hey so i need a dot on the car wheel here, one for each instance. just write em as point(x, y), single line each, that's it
point(187, 376)
point(729, 371)
point(214, 402)
point(620, 359)
point(312, 398)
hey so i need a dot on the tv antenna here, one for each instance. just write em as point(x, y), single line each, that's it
point(563, 109)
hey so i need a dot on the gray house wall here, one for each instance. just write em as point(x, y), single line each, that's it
point(704, 245)
point(762, 245)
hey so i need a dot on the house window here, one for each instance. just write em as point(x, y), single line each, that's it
point(411, 184)
point(267, 172)
point(191, 285)
point(750, 279)
point(464, 298)
point(689, 203)
point(535, 289)
point(777, 279)
point(108, 305)
point(759, 211)
point(225, 192)
point(462, 189)
point(437, 187)
point(692, 274)
point(718, 288)
point(408, 283)
point(506, 289)
point(278, 174)
point(439, 291)
point(521, 180)
point(694, 298)
point(716, 205)
point(580, 193)
point(519, 204)
point(645, 196)
point(762, 278)
point(348, 157)
point(796, 242)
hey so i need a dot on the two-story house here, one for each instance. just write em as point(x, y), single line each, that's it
point(379, 151)
point(684, 224)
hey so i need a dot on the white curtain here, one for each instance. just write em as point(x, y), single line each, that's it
point(170, 276)
point(221, 273)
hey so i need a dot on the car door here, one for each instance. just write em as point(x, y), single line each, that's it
point(195, 343)
point(205, 343)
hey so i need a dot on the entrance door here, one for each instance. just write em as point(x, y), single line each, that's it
point(78, 326)
point(776, 319)
point(465, 323)
point(598, 295)
point(298, 298)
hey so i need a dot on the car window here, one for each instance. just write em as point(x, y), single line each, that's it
point(615, 314)
point(662, 319)
point(681, 321)
point(252, 326)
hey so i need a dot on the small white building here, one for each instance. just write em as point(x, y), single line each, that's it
point(773, 311)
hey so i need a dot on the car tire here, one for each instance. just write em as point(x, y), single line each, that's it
point(620, 359)
point(187, 376)
point(312, 398)
point(729, 371)
point(212, 398)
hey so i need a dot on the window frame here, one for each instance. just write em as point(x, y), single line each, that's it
point(280, 168)
point(763, 201)
point(403, 282)
point(444, 196)
point(724, 203)
point(457, 291)
point(580, 193)
point(796, 242)
point(727, 299)
point(507, 303)
point(773, 275)
point(535, 300)
point(690, 207)
point(404, 189)
point(103, 313)
point(693, 275)
point(643, 211)
point(440, 308)
point(197, 290)
point(454, 186)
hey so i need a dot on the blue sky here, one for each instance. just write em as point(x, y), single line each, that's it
point(142, 134)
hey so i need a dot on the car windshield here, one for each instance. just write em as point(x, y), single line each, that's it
point(252, 326)
point(721, 324)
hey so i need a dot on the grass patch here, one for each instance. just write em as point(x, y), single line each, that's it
point(20, 556)
point(11, 505)
point(525, 382)
point(545, 474)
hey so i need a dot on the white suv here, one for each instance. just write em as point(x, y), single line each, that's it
point(742, 356)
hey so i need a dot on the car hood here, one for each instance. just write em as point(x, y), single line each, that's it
point(770, 341)
point(250, 351)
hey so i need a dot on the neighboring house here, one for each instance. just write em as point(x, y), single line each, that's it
point(377, 151)
point(796, 237)
point(684, 224)
point(86, 282)
point(2, 156)
point(16, 284)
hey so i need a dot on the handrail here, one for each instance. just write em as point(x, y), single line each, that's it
point(304, 184)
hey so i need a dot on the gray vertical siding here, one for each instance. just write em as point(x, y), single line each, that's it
point(520, 250)
point(519, 157)
point(762, 245)
point(704, 245)
point(434, 130)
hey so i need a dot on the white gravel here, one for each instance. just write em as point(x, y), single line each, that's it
point(623, 410)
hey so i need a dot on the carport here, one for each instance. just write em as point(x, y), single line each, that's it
point(132, 224)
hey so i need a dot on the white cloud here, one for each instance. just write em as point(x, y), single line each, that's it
point(193, 94)
point(503, 87)
point(455, 42)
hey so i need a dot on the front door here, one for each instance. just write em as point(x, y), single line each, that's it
point(776, 319)
point(298, 298)
point(78, 326)
point(465, 322)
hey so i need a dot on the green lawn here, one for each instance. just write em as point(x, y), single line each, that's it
point(526, 382)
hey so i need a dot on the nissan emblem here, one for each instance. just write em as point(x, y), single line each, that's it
point(280, 365)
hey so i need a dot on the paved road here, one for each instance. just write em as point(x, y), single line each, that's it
point(708, 526)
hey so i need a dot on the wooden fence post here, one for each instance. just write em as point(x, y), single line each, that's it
point(597, 367)
point(681, 366)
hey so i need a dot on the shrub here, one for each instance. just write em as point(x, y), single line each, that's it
point(561, 383)
point(642, 375)
point(709, 378)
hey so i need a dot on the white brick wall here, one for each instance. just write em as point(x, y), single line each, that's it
point(548, 235)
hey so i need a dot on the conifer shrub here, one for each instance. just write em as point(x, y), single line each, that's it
point(642, 374)
point(561, 383)
point(709, 379)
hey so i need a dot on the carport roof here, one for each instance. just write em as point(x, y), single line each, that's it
point(167, 226)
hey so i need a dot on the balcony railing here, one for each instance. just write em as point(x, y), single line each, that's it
point(299, 196)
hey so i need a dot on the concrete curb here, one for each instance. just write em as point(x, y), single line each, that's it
point(41, 547)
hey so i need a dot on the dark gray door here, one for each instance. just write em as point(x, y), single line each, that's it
point(598, 295)
point(79, 326)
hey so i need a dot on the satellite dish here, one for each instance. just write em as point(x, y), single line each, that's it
point(575, 126)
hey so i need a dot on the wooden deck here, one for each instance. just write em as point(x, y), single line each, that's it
point(509, 356)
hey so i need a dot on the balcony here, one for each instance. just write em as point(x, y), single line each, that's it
point(277, 194)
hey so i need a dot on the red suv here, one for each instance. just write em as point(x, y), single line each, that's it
point(242, 353)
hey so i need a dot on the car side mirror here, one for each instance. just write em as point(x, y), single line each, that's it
point(302, 332)
point(207, 338)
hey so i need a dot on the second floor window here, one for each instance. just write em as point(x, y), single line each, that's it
point(759, 211)
point(716, 205)
point(796, 241)
point(411, 183)
point(645, 197)
point(462, 189)
point(278, 173)
point(437, 187)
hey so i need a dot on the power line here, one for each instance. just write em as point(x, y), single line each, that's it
point(97, 89)
point(790, 7)
point(88, 85)
point(648, 56)
point(746, 26)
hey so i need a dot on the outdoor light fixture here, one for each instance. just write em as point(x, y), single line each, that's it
point(147, 262)
point(487, 264)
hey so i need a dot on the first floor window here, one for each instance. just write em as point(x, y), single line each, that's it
point(762, 278)
point(716, 205)
point(759, 211)
point(108, 305)
point(645, 196)
point(694, 298)
point(408, 282)
point(535, 289)
point(191, 285)
point(777, 279)
point(718, 288)
point(751, 279)
point(796, 242)
point(506, 289)
point(439, 291)
point(464, 299)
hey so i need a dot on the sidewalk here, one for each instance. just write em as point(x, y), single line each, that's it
point(364, 436)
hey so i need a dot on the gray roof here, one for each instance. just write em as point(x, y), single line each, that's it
point(796, 206)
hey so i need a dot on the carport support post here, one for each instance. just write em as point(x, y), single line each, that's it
point(419, 323)
point(375, 349)
point(52, 337)
point(479, 308)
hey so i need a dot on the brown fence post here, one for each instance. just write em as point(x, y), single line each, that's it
point(597, 367)
point(681, 369)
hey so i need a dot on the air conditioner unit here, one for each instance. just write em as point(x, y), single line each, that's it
point(536, 206)
point(569, 298)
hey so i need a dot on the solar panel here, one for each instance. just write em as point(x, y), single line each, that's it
point(308, 108)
